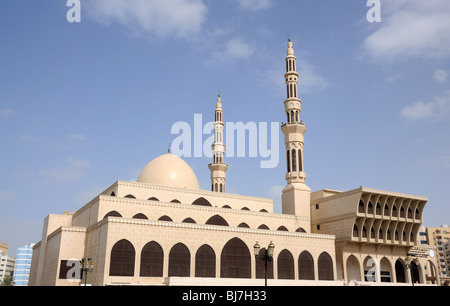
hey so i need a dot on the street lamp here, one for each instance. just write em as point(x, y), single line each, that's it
point(267, 257)
point(87, 265)
point(412, 263)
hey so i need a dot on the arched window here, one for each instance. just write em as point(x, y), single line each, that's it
point(243, 225)
point(361, 208)
point(205, 262)
point(355, 231)
point(380, 234)
point(130, 196)
point(179, 261)
point(217, 220)
point(245, 208)
point(386, 210)
point(140, 216)
point(165, 218)
point(112, 214)
point(285, 264)
point(388, 236)
point(220, 187)
point(263, 211)
point(300, 230)
point(372, 233)
point(227, 207)
point(288, 161)
point(300, 160)
point(370, 208)
point(364, 232)
point(189, 220)
point(378, 210)
point(325, 267)
point(402, 212)
point(409, 213)
point(394, 211)
point(201, 202)
point(260, 267)
point(400, 272)
point(122, 259)
point(306, 266)
point(294, 160)
point(175, 201)
point(396, 235)
point(264, 227)
point(216, 187)
point(113, 194)
point(235, 260)
point(152, 258)
point(153, 199)
point(282, 229)
point(417, 214)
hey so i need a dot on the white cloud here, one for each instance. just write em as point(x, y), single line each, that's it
point(77, 137)
point(71, 170)
point(439, 107)
point(6, 112)
point(440, 75)
point(255, 5)
point(159, 18)
point(7, 196)
point(418, 110)
point(234, 49)
point(411, 28)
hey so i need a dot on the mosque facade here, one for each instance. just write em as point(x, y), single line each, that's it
point(164, 230)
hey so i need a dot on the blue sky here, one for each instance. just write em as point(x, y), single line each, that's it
point(83, 105)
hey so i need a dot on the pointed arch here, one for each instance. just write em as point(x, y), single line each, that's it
point(217, 220)
point(179, 261)
point(285, 265)
point(122, 259)
point(235, 260)
point(306, 266)
point(152, 259)
point(205, 262)
point(202, 202)
point(325, 267)
point(112, 214)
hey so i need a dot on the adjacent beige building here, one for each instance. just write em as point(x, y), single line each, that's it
point(163, 230)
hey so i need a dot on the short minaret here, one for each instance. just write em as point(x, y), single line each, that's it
point(296, 195)
point(218, 168)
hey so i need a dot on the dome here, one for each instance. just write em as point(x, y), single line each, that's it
point(170, 171)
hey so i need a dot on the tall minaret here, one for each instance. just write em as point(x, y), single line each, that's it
point(296, 195)
point(218, 168)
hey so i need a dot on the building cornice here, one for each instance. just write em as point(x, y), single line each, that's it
point(217, 228)
point(196, 192)
point(216, 210)
point(370, 190)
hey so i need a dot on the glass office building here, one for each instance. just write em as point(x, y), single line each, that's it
point(23, 264)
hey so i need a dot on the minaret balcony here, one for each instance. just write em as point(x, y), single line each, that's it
point(218, 166)
point(294, 127)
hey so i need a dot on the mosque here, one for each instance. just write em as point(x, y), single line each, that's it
point(163, 230)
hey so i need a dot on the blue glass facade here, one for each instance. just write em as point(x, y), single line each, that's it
point(23, 264)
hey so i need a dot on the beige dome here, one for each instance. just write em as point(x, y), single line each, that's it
point(170, 171)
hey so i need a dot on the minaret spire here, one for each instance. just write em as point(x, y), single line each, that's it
point(218, 168)
point(296, 195)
